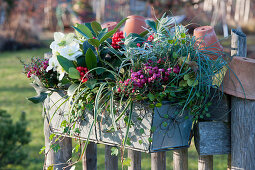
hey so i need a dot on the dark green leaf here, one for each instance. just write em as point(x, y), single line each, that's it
point(150, 139)
point(106, 36)
point(65, 63)
point(39, 98)
point(91, 59)
point(120, 23)
point(144, 33)
point(81, 61)
point(151, 24)
point(86, 46)
point(83, 30)
point(102, 33)
point(55, 147)
point(91, 83)
point(94, 42)
point(96, 27)
point(100, 70)
point(74, 73)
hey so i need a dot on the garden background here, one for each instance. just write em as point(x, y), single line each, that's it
point(26, 30)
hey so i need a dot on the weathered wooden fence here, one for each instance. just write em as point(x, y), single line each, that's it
point(235, 133)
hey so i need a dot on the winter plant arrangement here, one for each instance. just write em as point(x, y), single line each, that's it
point(105, 73)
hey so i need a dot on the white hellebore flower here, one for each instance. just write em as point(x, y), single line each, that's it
point(66, 45)
point(53, 64)
point(61, 71)
point(71, 51)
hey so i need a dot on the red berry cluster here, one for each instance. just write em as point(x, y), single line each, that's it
point(83, 71)
point(150, 38)
point(116, 39)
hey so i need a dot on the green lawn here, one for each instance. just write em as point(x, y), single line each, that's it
point(14, 88)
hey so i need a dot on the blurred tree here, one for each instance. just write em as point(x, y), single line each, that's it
point(20, 26)
point(12, 139)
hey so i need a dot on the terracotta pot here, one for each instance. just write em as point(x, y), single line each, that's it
point(134, 24)
point(239, 80)
point(109, 25)
point(206, 37)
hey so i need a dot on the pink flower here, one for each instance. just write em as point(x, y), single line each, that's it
point(176, 69)
point(29, 74)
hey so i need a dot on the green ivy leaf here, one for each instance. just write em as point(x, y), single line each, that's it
point(127, 162)
point(141, 131)
point(150, 139)
point(63, 123)
point(55, 147)
point(166, 116)
point(164, 124)
point(183, 83)
point(192, 82)
point(50, 167)
point(115, 151)
point(128, 142)
point(52, 136)
point(152, 106)
point(140, 142)
point(153, 128)
point(151, 97)
point(42, 150)
point(74, 73)
point(91, 59)
point(158, 104)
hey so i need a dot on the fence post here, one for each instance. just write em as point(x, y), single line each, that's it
point(57, 159)
point(158, 161)
point(242, 134)
point(180, 159)
point(111, 161)
point(89, 160)
point(205, 162)
point(135, 157)
point(238, 43)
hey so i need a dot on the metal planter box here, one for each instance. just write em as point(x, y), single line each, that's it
point(152, 130)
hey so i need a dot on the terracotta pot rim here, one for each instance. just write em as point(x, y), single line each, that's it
point(204, 28)
point(135, 17)
point(238, 80)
